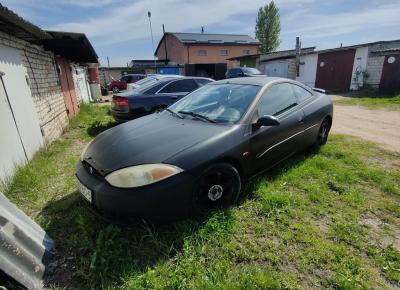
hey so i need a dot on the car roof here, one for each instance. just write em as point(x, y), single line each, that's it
point(259, 80)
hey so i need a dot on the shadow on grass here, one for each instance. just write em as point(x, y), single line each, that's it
point(98, 126)
point(93, 253)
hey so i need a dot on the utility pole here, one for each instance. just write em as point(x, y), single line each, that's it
point(152, 41)
point(108, 71)
point(298, 48)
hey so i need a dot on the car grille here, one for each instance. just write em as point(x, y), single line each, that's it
point(92, 171)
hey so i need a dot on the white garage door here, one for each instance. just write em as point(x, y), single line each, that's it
point(81, 84)
point(19, 124)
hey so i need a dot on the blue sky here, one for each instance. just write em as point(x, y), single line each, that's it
point(120, 29)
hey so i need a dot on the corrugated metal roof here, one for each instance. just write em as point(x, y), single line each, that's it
point(282, 54)
point(394, 49)
point(73, 46)
point(26, 250)
point(15, 25)
point(214, 38)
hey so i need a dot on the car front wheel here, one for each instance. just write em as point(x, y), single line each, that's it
point(218, 186)
point(115, 89)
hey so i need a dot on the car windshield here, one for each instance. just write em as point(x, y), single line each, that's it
point(250, 70)
point(221, 103)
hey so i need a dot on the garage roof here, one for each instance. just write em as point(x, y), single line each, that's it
point(73, 46)
point(15, 25)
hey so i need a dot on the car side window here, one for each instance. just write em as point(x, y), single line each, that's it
point(154, 88)
point(124, 78)
point(181, 86)
point(301, 94)
point(277, 99)
point(235, 72)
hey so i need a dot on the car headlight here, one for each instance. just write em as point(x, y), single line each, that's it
point(84, 149)
point(141, 175)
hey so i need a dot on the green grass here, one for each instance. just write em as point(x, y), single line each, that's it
point(327, 219)
point(378, 102)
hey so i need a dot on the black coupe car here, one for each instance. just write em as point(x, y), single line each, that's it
point(154, 97)
point(196, 154)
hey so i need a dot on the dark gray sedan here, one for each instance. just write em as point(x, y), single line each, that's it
point(196, 154)
point(153, 97)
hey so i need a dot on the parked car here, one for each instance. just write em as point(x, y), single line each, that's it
point(153, 97)
point(151, 78)
point(197, 153)
point(239, 72)
point(121, 84)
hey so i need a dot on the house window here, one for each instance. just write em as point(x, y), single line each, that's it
point(202, 52)
point(246, 52)
point(223, 52)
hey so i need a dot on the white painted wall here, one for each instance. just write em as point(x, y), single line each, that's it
point(308, 70)
point(360, 64)
point(21, 102)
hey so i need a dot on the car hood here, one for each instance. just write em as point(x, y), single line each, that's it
point(150, 139)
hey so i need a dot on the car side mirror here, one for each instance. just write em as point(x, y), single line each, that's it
point(266, 121)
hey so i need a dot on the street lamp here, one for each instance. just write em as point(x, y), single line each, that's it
point(152, 41)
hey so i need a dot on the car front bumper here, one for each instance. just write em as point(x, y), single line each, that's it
point(169, 199)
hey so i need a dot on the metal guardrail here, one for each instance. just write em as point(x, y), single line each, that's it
point(25, 248)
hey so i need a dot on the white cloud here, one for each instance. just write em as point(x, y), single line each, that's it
point(129, 22)
point(315, 26)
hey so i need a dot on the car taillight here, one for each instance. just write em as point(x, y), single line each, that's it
point(121, 101)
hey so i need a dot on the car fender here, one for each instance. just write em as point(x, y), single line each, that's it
point(222, 147)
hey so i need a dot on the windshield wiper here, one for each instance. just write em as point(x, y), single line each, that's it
point(197, 115)
point(174, 113)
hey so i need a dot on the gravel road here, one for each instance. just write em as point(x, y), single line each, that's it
point(379, 126)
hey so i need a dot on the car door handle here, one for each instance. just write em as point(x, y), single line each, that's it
point(174, 97)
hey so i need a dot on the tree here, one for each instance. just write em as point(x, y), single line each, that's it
point(268, 27)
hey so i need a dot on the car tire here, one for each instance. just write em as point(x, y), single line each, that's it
point(115, 89)
point(158, 109)
point(219, 186)
point(323, 133)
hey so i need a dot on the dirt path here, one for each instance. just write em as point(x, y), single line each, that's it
point(379, 126)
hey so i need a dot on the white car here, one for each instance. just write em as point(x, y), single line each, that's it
point(149, 80)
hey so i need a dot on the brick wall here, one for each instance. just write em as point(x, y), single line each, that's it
point(44, 84)
point(176, 51)
point(374, 68)
point(214, 53)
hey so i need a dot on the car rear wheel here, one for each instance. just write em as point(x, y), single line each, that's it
point(218, 186)
point(323, 133)
point(158, 109)
point(115, 89)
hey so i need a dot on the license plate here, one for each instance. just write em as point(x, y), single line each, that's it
point(86, 192)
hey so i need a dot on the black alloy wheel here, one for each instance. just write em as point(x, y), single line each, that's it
point(219, 186)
